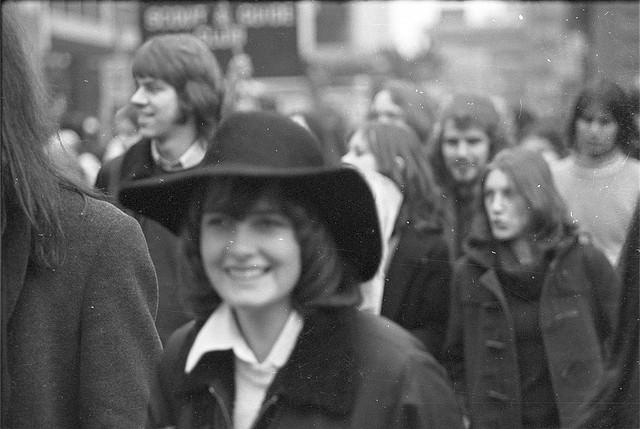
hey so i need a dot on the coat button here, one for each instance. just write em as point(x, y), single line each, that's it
point(497, 395)
point(496, 345)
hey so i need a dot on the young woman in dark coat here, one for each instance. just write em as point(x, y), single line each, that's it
point(276, 240)
point(418, 271)
point(533, 304)
point(79, 293)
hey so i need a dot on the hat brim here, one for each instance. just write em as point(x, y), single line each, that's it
point(340, 195)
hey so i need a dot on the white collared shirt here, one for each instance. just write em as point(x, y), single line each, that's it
point(252, 378)
point(190, 158)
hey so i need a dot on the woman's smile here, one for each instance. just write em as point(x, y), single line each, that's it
point(243, 273)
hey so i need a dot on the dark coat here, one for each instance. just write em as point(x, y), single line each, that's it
point(137, 163)
point(617, 402)
point(416, 291)
point(577, 311)
point(348, 369)
point(79, 343)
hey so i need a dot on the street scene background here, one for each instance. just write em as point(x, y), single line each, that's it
point(528, 55)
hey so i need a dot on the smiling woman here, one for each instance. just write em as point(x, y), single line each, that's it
point(276, 239)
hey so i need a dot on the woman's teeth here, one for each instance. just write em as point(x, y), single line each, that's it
point(246, 273)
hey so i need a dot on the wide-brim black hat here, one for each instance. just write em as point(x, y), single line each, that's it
point(271, 146)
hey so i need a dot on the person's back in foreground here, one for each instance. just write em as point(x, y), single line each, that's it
point(79, 293)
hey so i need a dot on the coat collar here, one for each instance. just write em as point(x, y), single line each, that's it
point(138, 162)
point(320, 372)
point(485, 257)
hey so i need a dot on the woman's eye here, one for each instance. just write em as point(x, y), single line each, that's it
point(271, 221)
point(450, 142)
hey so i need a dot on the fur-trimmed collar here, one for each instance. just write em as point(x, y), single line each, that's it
point(320, 372)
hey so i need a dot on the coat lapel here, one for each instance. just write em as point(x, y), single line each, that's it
point(321, 370)
point(16, 248)
point(489, 279)
point(399, 271)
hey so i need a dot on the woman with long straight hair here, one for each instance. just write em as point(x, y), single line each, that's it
point(78, 287)
point(533, 304)
point(417, 272)
point(276, 240)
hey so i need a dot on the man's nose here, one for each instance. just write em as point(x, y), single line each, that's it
point(139, 98)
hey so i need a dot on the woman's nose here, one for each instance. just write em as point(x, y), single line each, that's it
point(497, 204)
point(348, 157)
point(462, 149)
point(241, 240)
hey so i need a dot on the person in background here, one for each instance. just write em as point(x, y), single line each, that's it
point(79, 294)
point(399, 101)
point(417, 271)
point(470, 132)
point(615, 403)
point(599, 180)
point(328, 125)
point(178, 101)
point(63, 150)
point(278, 238)
point(523, 118)
point(634, 105)
point(125, 127)
point(545, 137)
point(533, 304)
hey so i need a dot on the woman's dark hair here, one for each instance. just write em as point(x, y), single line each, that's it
point(532, 179)
point(418, 108)
point(391, 144)
point(468, 111)
point(328, 125)
point(30, 182)
point(186, 63)
point(326, 280)
point(613, 99)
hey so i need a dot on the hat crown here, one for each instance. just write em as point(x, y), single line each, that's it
point(264, 141)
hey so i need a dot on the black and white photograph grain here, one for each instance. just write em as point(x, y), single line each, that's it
point(386, 214)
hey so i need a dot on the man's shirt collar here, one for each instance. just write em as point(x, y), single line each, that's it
point(190, 158)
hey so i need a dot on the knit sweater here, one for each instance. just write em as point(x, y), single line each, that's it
point(601, 199)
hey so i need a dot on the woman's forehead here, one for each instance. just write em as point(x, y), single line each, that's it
point(595, 109)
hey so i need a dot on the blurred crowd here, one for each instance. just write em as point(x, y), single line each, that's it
point(506, 245)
